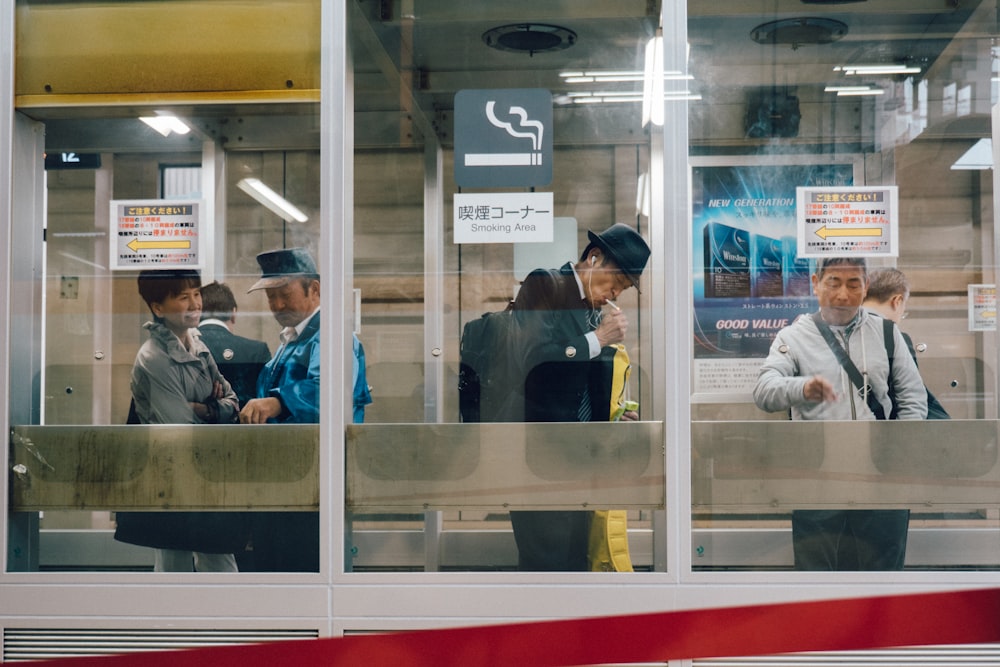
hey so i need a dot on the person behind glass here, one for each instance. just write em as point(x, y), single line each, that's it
point(288, 393)
point(888, 293)
point(802, 373)
point(240, 359)
point(176, 381)
point(362, 392)
point(561, 330)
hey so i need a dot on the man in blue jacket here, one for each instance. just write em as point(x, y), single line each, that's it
point(288, 393)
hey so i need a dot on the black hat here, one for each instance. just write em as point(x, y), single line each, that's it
point(278, 267)
point(625, 247)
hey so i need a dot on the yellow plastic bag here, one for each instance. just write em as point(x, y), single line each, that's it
point(621, 370)
point(608, 547)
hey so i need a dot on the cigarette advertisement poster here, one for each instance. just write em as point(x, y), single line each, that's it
point(749, 280)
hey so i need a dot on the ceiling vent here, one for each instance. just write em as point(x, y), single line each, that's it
point(530, 38)
point(799, 31)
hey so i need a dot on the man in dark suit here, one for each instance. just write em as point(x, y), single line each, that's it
point(239, 359)
point(560, 331)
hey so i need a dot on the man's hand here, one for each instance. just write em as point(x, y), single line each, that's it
point(818, 390)
point(630, 416)
point(612, 328)
point(259, 410)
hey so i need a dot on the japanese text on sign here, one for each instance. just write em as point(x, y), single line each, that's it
point(484, 217)
point(840, 221)
point(982, 307)
point(155, 234)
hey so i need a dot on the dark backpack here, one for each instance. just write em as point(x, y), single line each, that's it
point(934, 408)
point(489, 389)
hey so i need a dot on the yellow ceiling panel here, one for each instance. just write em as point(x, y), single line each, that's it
point(142, 47)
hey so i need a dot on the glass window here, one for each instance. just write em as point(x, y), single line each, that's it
point(490, 142)
point(821, 138)
point(143, 332)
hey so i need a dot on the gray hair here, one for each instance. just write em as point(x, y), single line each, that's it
point(887, 283)
point(826, 262)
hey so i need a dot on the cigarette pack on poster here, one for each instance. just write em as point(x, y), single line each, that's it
point(766, 266)
point(727, 261)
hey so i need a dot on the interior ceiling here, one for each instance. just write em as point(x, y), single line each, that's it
point(412, 56)
point(415, 57)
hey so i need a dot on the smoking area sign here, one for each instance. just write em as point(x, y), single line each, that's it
point(503, 138)
point(155, 234)
point(509, 217)
point(847, 221)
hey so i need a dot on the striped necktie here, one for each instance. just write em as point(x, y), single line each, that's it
point(583, 413)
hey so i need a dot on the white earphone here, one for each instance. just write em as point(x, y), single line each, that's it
point(592, 260)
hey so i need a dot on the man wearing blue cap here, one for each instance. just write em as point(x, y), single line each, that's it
point(288, 393)
point(561, 331)
point(288, 386)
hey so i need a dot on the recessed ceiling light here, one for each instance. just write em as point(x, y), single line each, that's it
point(530, 38)
point(799, 31)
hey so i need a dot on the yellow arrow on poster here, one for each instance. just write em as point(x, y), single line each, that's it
point(825, 233)
point(136, 245)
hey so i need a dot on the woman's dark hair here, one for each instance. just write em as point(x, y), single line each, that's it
point(156, 285)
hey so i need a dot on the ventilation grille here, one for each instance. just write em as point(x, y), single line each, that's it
point(49, 644)
point(965, 655)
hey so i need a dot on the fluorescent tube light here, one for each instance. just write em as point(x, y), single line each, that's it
point(862, 70)
point(643, 195)
point(613, 76)
point(165, 124)
point(652, 89)
point(611, 97)
point(980, 156)
point(271, 199)
point(858, 93)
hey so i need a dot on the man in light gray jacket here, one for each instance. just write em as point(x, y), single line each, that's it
point(803, 374)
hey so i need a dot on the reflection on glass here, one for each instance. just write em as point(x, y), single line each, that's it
point(177, 134)
point(587, 137)
point(796, 112)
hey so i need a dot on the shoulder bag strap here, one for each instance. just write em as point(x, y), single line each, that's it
point(889, 336)
point(852, 371)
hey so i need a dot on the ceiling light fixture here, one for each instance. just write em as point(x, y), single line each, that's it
point(271, 199)
point(652, 86)
point(530, 38)
point(980, 156)
point(856, 93)
point(609, 76)
point(866, 70)
point(801, 31)
point(611, 97)
point(165, 123)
